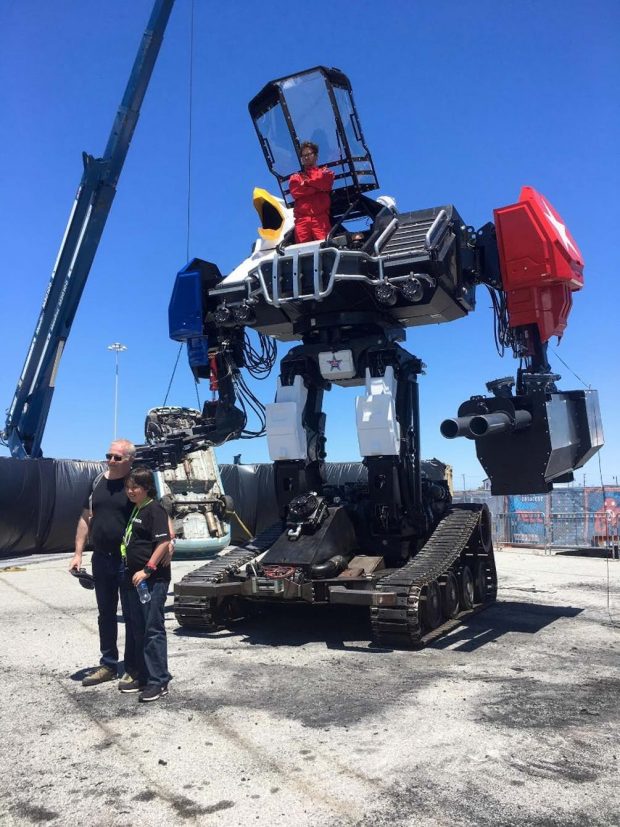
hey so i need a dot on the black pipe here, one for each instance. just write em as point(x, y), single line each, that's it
point(459, 426)
point(498, 423)
point(329, 568)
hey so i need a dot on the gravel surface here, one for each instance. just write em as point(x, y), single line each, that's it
point(294, 718)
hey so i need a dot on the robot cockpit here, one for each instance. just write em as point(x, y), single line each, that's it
point(315, 105)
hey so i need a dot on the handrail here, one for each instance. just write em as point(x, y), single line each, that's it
point(436, 227)
point(391, 227)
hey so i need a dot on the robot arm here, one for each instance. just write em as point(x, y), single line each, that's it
point(222, 418)
point(539, 267)
point(216, 349)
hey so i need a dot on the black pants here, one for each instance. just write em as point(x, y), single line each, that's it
point(108, 572)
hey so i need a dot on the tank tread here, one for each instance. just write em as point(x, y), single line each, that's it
point(196, 611)
point(457, 541)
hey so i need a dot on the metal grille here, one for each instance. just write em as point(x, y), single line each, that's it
point(408, 238)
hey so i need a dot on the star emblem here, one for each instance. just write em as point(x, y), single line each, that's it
point(334, 364)
point(560, 229)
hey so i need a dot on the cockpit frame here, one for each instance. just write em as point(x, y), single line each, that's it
point(317, 105)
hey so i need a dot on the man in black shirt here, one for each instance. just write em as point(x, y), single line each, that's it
point(105, 514)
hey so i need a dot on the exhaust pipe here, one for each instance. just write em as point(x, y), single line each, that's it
point(459, 426)
point(484, 425)
point(499, 423)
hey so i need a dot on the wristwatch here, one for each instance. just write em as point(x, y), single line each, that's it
point(148, 570)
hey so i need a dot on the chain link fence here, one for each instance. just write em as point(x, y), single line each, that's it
point(571, 518)
point(566, 530)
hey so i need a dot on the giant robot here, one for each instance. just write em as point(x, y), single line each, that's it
point(394, 541)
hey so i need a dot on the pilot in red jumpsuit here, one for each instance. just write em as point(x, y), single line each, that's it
point(310, 189)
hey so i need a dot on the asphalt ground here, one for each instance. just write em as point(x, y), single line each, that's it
point(294, 717)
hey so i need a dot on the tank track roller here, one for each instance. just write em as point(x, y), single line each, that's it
point(196, 611)
point(451, 577)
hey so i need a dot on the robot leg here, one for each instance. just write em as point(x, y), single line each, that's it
point(286, 437)
point(295, 437)
point(378, 431)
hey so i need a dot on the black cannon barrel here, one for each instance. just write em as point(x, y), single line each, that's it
point(458, 426)
point(485, 425)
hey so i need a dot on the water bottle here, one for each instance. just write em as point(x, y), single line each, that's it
point(143, 592)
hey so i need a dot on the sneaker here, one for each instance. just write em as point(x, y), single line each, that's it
point(129, 684)
point(100, 675)
point(153, 693)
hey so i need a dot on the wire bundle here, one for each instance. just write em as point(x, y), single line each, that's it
point(503, 333)
point(248, 402)
point(260, 362)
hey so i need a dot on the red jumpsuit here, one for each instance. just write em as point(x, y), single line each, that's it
point(311, 190)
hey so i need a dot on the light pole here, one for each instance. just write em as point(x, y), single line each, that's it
point(117, 347)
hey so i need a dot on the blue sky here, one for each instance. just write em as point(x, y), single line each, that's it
point(461, 102)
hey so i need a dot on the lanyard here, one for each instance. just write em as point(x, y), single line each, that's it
point(129, 529)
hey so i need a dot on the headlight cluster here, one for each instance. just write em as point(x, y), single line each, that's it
point(225, 316)
point(412, 290)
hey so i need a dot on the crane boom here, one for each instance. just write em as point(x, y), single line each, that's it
point(29, 409)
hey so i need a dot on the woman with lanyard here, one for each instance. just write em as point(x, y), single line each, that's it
point(145, 552)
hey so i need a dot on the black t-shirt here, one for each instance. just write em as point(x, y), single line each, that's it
point(149, 529)
point(111, 509)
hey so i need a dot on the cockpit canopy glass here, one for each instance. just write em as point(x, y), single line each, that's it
point(315, 105)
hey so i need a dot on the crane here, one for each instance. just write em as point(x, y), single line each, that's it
point(28, 412)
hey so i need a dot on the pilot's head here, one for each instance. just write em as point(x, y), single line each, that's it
point(309, 152)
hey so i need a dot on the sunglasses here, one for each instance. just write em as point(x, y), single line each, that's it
point(117, 457)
